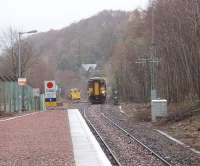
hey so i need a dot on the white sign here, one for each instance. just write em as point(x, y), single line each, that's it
point(22, 81)
point(36, 92)
point(50, 89)
point(50, 95)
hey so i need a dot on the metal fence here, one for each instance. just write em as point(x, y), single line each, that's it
point(11, 97)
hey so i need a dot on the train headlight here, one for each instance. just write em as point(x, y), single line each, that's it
point(103, 92)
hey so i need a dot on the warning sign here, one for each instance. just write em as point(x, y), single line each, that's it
point(22, 81)
point(50, 86)
point(50, 93)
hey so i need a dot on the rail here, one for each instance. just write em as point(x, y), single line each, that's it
point(114, 160)
point(138, 141)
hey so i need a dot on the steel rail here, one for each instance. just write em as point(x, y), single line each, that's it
point(138, 141)
point(101, 139)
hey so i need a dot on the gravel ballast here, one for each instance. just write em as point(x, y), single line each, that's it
point(170, 150)
point(127, 151)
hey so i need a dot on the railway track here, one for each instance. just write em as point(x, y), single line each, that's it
point(153, 144)
point(138, 141)
point(126, 134)
point(113, 159)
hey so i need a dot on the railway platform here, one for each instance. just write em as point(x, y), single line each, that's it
point(87, 151)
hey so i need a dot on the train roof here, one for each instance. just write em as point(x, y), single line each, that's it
point(96, 78)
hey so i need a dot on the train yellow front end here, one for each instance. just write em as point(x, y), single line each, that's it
point(97, 90)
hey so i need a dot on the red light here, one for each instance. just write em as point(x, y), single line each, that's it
point(50, 85)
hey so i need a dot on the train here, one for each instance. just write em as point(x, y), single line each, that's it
point(97, 90)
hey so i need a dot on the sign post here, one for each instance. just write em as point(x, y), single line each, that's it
point(36, 95)
point(22, 82)
point(50, 94)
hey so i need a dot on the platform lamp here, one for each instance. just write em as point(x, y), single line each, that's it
point(19, 63)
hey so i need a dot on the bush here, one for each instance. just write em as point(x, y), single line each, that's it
point(143, 116)
point(179, 112)
point(5, 114)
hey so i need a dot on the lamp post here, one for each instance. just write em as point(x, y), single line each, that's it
point(20, 66)
point(19, 53)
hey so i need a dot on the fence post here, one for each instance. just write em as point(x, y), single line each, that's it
point(1, 95)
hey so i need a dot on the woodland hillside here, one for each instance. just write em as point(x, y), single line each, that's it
point(116, 40)
point(87, 41)
point(177, 46)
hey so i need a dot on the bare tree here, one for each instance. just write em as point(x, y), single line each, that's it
point(177, 43)
point(10, 46)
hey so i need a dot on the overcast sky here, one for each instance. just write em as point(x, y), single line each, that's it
point(44, 15)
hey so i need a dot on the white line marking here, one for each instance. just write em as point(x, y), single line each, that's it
point(20, 116)
point(177, 141)
point(195, 151)
point(122, 112)
point(120, 109)
point(168, 136)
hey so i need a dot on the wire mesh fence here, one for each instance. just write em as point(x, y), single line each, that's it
point(15, 98)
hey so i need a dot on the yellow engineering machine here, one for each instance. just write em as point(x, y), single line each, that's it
point(74, 94)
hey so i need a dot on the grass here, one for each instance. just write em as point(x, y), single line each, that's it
point(143, 116)
point(181, 111)
point(5, 114)
point(137, 112)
